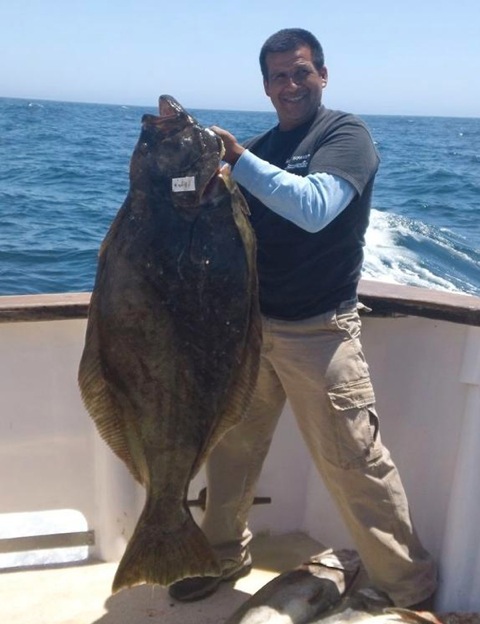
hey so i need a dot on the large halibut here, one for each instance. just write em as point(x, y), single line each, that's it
point(173, 336)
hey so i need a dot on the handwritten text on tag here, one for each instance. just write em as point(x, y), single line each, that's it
point(180, 185)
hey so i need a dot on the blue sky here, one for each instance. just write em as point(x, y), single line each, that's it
point(417, 57)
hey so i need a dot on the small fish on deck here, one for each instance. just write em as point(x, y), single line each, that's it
point(369, 606)
point(297, 596)
point(173, 336)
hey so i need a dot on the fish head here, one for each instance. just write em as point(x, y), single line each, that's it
point(176, 155)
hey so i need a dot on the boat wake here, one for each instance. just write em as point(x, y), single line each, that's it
point(400, 250)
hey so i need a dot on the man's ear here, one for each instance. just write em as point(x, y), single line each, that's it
point(324, 75)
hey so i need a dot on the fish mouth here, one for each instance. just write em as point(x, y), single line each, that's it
point(168, 107)
point(171, 116)
point(170, 112)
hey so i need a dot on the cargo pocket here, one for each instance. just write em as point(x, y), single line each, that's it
point(355, 423)
point(348, 321)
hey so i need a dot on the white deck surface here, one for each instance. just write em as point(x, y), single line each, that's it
point(81, 594)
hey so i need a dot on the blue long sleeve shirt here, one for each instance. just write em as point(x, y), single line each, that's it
point(310, 202)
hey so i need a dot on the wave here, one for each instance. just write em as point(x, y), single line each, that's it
point(401, 250)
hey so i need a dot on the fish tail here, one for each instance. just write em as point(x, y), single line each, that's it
point(159, 557)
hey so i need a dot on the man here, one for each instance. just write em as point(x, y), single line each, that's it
point(308, 182)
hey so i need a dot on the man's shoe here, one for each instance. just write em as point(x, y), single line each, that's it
point(198, 587)
point(195, 588)
point(424, 605)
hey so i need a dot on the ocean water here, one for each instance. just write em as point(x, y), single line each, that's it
point(64, 175)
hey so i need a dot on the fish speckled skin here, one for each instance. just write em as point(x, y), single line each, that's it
point(296, 596)
point(173, 336)
point(369, 606)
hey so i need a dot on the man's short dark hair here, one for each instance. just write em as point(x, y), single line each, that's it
point(290, 39)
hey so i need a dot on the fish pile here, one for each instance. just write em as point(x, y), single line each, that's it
point(325, 590)
point(173, 336)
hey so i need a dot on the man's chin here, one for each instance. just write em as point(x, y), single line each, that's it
point(288, 120)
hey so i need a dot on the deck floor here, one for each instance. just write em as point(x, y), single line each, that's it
point(81, 594)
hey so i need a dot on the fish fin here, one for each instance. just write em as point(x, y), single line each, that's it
point(158, 557)
point(99, 400)
point(237, 196)
point(414, 617)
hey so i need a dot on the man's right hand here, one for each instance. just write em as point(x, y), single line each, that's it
point(233, 149)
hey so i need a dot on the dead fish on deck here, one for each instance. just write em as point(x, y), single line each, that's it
point(369, 606)
point(296, 596)
point(173, 337)
point(457, 617)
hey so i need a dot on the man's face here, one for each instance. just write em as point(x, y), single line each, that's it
point(294, 85)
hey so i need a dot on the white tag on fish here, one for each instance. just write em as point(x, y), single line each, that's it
point(181, 185)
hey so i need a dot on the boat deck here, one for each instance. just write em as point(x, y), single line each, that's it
point(81, 594)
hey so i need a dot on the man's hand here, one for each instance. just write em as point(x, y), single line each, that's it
point(233, 149)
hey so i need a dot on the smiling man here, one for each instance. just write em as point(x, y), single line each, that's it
point(308, 182)
point(294, 81)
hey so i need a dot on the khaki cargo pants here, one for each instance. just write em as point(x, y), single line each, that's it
point(318, 364)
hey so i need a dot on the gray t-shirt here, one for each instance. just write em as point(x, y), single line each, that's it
point(303, 274)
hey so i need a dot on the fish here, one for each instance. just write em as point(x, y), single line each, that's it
point(297, 596)
point(173, 335)
point(457, 617)
point(371, 606)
